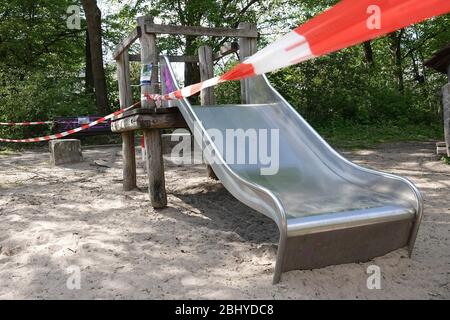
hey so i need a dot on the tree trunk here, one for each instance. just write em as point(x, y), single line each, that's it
point(89, 76)
point(368, 53)
point(396, 49)
point(93, 17)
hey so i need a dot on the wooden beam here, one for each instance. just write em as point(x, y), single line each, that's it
point(200, 31)
point(247, 47)
point(126, 99)
point(205, 57)
point(129, 161)
point(152, 137)
point(127, 42)
point(155, 168)
point(137, 57)
point(149, 56)
point(224, 51)
point(192, 59)
point(149, 121)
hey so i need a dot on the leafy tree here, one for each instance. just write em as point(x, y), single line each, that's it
point(41, 61)
point(45, 67)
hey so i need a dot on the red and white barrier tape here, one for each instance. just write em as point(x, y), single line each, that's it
point(72, 131)
point(348, 23)
point(11, 124)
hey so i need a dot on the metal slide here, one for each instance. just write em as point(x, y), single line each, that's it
point(328, 210)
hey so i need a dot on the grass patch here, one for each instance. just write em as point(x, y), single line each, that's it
point(445, 160)
point(358, 136)
point(339, 135)
point(7, 151)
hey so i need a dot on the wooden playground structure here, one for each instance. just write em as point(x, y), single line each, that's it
point(327, 209)
point(152, 119)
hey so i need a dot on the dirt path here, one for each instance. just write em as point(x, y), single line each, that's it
point(205, 244)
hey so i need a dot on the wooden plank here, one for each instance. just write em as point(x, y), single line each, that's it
point(192, 59)
point(148, 111)
point(127, 42)
point(137, 57)
point(200, 31)
point(126, 99)
point(247, 47)
point(149, 121)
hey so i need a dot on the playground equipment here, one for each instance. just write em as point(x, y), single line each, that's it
point(440, 62)
point(328, 210)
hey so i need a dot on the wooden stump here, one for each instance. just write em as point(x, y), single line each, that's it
point(65, 151)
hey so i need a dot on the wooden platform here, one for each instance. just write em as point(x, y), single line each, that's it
point(149, 118)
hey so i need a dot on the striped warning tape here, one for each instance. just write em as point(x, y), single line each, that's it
point(25, 123)
point(72, 131)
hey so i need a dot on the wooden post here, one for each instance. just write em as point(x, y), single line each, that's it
point(448, 73)
point(205, 58)
point(126, 99)
point(247, 47)
point(446, 109)
point(152, 137)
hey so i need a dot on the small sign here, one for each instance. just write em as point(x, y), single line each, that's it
point(83, 120)
point(146, 74)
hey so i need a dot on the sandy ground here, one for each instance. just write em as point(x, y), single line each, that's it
point(205, 244)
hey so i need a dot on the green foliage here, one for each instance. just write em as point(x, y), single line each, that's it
point(40, 65)
point(345, 88)
point(351, 135)
point(446, 160)
point(347, 97)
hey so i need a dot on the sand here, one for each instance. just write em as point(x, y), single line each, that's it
point(204, 245)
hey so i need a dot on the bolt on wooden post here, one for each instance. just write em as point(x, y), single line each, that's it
point(152, 137)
